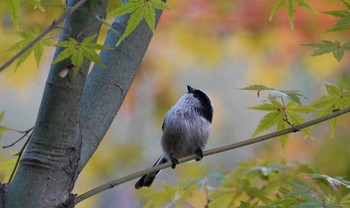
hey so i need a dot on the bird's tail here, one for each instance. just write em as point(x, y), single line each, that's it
point(148, 179)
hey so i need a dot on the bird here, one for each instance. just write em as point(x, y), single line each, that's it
point(186, 129)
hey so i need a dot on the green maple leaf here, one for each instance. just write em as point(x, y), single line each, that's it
point(12, 7)
point(257, 87)
point(271, 119)
point(326, 46)
point(338, 13)
point(162, 197)
point(138, 10)
point(344, 22)
point(335, 182)
point(301, 195)
point(273, 94)
point(276, 117)
point(37, 49)
point(290, 8)
point(337, 98)
point(278, 112)
point(77, 51)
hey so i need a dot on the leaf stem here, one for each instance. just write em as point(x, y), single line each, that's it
point(286, 116)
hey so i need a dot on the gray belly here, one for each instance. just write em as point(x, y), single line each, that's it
point(184, 136)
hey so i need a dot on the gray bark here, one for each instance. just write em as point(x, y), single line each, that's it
point(105, 89)
point(75, 113)
point(48, 169)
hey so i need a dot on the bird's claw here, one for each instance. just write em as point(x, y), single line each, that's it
point(174, 161)
point(199, 152)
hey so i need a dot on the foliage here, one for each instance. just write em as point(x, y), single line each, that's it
point(7, 167)
point(290, 8)
point(2, 128)
point(344, 22)
point(72, 48)
point(254, 184)
point(334, 47)
point(326, 46)
point(251, 184)
point(338, 97)
point(37, 49)
point(139, 9)
point(281, 114)
point(13, 8)
point(164, 196)
point(334, 182)
point(78, 51)
point(193, 194)
point(282, 117)
point(273, 94)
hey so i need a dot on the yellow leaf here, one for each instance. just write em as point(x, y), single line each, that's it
point(196, 197)
point(7, 167)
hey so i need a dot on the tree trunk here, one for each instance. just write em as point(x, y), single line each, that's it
point(105, 89)
point(75, 115)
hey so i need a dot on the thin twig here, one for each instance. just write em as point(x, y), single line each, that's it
point(18, 131)
point(19, 156)
point(286, 116)
point(243, 143)
point(25, 133)
point(54, 24)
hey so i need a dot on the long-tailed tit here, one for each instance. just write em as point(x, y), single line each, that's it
point(186, 130)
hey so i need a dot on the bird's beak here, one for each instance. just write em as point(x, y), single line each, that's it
point(190, 89)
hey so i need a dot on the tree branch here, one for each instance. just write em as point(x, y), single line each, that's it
point(243, 143)
point(19, 156)
point(25, 133)
point(53, 25)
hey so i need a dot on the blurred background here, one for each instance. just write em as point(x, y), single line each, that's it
point(218, 47)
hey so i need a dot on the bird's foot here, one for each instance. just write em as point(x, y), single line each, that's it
point(199, 152)
point(174, 161)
